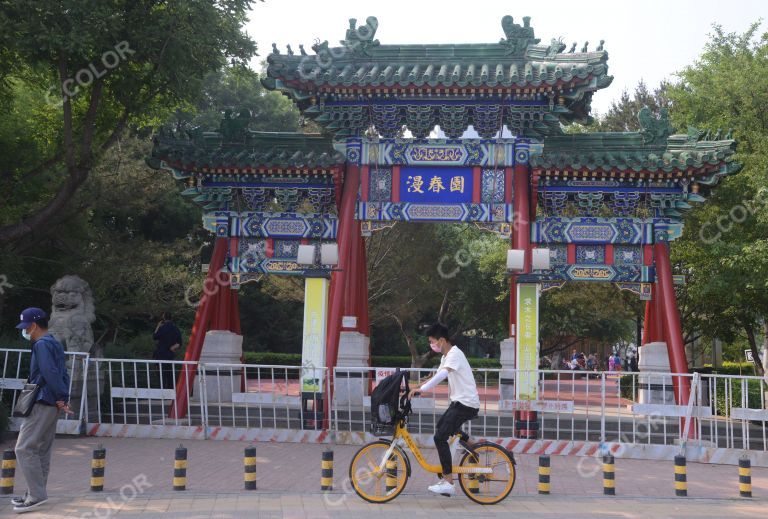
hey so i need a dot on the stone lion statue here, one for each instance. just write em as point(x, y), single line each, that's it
point(72, 313)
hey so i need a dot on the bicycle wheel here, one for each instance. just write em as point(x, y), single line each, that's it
point(375, 484)
point(487, 489)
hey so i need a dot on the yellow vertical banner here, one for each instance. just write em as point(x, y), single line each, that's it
point(527, 344)
point(313, 341)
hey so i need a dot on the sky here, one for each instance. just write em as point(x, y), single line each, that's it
point(646, 40)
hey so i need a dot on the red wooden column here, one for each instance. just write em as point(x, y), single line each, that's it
point(522, 241)
point(341, 277)
point(522, 218)
point(211, 293)
point(672, 329)
point(654, 318)
point(356, 297)
point(658, 332)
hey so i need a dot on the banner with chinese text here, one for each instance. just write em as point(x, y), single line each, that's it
point(313, 343)
point(526, 385)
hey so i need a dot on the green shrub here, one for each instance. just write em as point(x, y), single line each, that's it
point(734, 368)
point(138, 347)
point(270, 358)
point(734, 389)
point(625, 387)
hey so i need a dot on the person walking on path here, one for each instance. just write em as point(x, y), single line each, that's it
point(48, 370)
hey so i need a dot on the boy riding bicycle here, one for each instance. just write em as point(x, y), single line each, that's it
point(465, 401)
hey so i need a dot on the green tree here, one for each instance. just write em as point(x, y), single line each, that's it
point(238, 88)
point(138, 242)
point(95, 68)
point(422, 273)
point(597, 312)
point(622, 115)
point(725, 241)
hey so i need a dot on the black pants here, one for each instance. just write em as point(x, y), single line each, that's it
point(166, 373)
point(448, 425)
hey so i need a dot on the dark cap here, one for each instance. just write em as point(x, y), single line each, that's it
point(31, 316)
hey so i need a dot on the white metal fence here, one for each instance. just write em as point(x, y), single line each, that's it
point(141, 393)
point(576, 412)
point(15, 371)
point(723, 411)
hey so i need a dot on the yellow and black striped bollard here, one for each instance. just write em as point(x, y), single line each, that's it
point(745, 478)
point(391, 479)
point(544, 472)
point(326, 474)
point(180, 468)
point(609, 475)
point(681, 481)
point(249, 461)
point(98, 464)
point(8, 472)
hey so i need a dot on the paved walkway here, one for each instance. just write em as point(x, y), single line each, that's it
point(138, 483)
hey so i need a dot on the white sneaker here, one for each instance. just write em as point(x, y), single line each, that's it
point(443, 488)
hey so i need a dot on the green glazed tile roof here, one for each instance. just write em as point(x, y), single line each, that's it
point(447, 68)
point(209, 150)
point(517, 61)
point(532, 87)
point(654, 149)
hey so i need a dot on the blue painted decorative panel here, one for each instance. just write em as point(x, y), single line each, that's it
point(590, 254)
point(438, 185)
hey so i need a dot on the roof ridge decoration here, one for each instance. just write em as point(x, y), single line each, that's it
point(518, 37)
point(233, 128)
point(360, 39)
point(655, 130)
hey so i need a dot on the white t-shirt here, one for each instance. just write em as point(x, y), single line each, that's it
point(460, 378)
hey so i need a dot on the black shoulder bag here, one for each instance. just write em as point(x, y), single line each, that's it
point(26, 399)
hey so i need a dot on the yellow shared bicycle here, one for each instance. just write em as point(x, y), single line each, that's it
point(380, 469)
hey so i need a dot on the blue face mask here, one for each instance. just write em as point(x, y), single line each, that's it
point(26, 335)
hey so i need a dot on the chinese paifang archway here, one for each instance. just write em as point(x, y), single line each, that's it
point(605, 205)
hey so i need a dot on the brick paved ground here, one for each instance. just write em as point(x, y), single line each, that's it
point(289, 480)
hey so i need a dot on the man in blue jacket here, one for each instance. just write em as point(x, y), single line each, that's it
point(49, 371)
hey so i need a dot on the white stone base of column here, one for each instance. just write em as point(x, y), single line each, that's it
point(220, 347)
point(654, 380)
point(350, 386)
